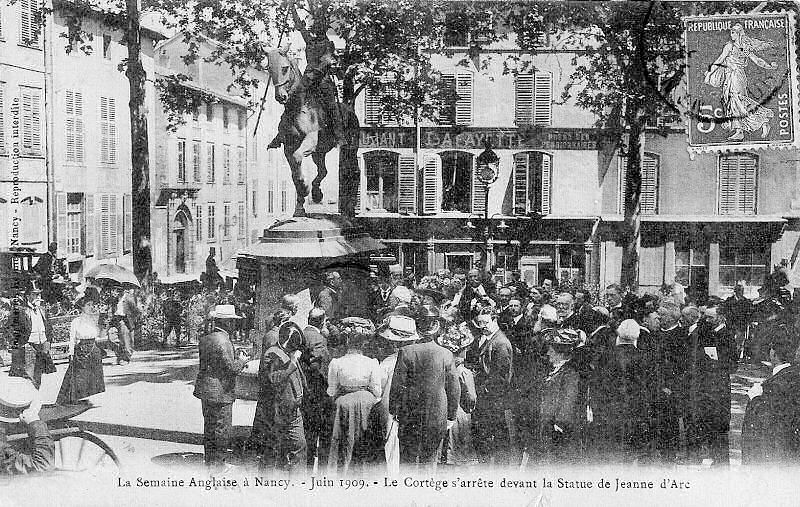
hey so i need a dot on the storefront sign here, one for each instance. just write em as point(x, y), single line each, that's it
point(447, 138)
point(740, 81)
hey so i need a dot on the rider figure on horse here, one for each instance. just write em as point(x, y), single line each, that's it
point(316, 79)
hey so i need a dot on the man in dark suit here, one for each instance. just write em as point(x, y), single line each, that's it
point(491, 420)
point(617, 307)
point(216, 381)
point(328, 298)
point(424, 395)
point(667, 365)
point(31, 336)
point(518, 326)
point(317, 405)
point(771, 427)
point(738, 310)
point(713, 359)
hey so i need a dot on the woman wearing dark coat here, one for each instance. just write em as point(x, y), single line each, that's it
point(561, 415)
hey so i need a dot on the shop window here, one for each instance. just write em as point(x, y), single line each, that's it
point(381, 172)
point(691, 268)
point(457, 176)
point(572, 264)
point(738, 184)
point(532, 177)
point(742, 263)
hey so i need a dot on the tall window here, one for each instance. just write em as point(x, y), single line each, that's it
point(381, 180)
point(457, 181)
point(743, 263)
point(226, 164)
point(74, 126)
point(210, 163)
point(271, 197)
point(283, 196)
point(209, 112)
point(108, 130)
point(240, 160)
point(240, 221)
point(181, 160)
point(2, 118)
point(458, 108)
point(226, 220)
point(31, 102)
point(738, 184)
point(648, 196)
point(29, 23)
point(106, 46)
point(532, 181)
point(254, 198)
point(241, 120)
point(196, 160)
point(212, 222)
point(225, 117)
point(198, 222)
point(534, 99)
point(691, 267)
point(74, 209)
point(374, 99)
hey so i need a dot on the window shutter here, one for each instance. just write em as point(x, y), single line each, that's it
point(105, 225)
point(361, 184)
point(432, 185)
point(464, 102)
point(729, 185)
point(2, 118)
point(747, 184)
point(407, 184)
point(648, 203)
point(112, 131)
point(547, 174)
point(521, 183)
point(210, 162)
point(479, 190)
point(543, 99)
point(118, 229)
point(196, 160)
point(622, 171)
point(31, 120)
point(523, 99)
point(372, 107)
point(104, 132)
point(89, 224)
point(27, 29)
point(61, 222)
point(127, 207)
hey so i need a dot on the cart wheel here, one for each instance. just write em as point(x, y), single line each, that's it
point(82, 451)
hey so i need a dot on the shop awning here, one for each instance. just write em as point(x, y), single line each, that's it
point(713, 219)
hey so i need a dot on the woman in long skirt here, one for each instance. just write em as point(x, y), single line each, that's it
point(354, 381)
point(84, 375)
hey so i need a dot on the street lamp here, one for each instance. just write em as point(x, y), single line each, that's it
point(488, 170)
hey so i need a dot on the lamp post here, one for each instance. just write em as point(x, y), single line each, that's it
point(487, 165)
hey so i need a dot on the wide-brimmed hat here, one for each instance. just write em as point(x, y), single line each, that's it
point(16, 394)
point(224, 312)
point(455, 340)
point(399, 328)
point(31, 286)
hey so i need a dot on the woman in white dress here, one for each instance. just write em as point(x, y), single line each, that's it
point(84, 375)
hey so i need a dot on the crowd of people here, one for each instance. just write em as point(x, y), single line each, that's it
point(455, 370)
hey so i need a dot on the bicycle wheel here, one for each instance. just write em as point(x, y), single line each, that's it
point(81, 451)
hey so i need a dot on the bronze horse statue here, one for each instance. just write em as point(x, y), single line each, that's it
point(309, 130)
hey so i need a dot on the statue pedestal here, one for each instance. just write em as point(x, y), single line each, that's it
point(292, 255)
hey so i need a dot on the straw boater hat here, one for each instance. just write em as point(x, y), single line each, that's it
point(224, 312)
point(399, 328)
point(16, 394)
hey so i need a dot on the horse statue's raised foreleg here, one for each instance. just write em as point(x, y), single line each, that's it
point(322, 171)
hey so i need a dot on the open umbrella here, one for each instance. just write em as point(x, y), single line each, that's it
point(114, 273)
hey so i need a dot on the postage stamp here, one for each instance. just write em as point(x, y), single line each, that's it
point(741, 84)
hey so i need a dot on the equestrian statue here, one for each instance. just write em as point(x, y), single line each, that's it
point(313, 121)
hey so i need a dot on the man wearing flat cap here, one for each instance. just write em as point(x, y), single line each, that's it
point(31, 334)
point(19, 402)
point(216, 381)
point(424, 394)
